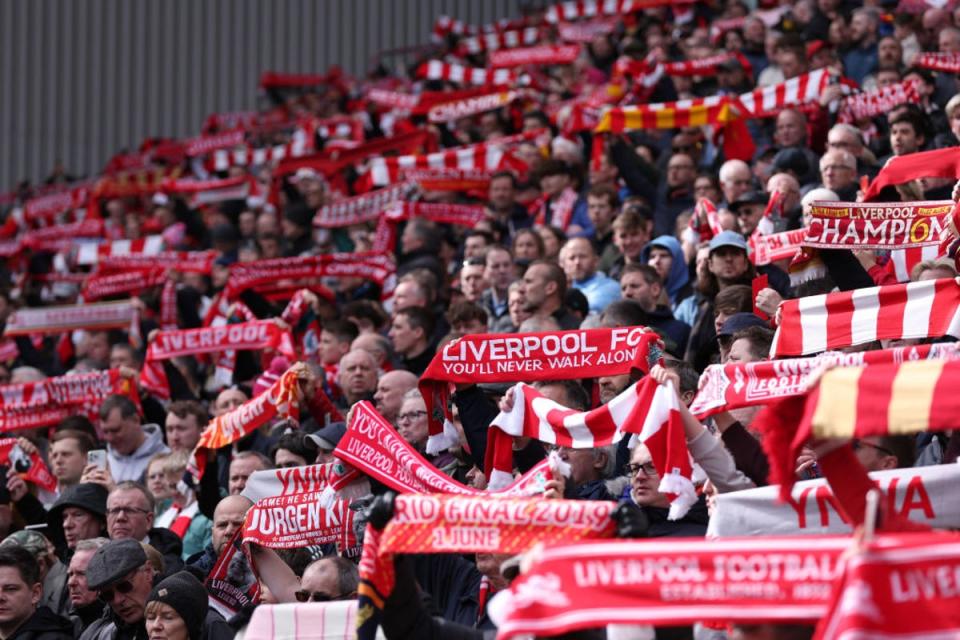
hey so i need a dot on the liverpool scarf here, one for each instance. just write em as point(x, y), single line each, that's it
point(853, 402)
point(897, 587)
point(927, 309)
point(939, 163)
point(541, 55)
point(182, 261)
point(464, 215)
point(576, 9)
point(202, 145)
point(57, 320)
point(460, 74)
point(232, 585)
point(732, 386)
point(878, 101)
point(372, 446)
point(282, 399)
point(776, 246)
point(649, 410)
point(581, 353)
point(864, 225)
point(308, 270)
point(250, 335)
point(584, 32)
point(949, 62)
point(468, 524)
point(793, 92)
point(293, 521)
point(498, 40)
point(107, 285)
point(447, 179)
point(358, 209)
point(450, 111)
point(716, 110)
point(682, 582)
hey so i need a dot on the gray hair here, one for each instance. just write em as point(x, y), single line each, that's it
point(610, 465)
point(852, 130)
point(91, 544)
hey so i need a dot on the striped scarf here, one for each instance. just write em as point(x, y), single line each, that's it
point(461, 74)
point(927, 309)
point(649, 410)
point(501, 40)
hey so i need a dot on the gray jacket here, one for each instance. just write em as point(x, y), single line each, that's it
point(134, 466)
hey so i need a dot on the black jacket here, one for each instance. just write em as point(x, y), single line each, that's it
point(170, 547)
point(454, 587)
point(44, 625)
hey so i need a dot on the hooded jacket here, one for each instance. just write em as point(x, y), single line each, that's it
point(678, 280)
point(44, 624)
point(134, 466)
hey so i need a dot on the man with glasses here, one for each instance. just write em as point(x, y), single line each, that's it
point(120, 573)
point(645, 493)
point(130, 511)
point(838, 172)
point(324, 580)
point(878, 453)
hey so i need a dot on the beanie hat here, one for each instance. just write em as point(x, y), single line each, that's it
point(187, 596)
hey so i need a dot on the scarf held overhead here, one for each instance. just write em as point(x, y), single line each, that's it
point(53, 320)
point(877, 226)
point(649, 410)
point(583, 353)
point(927, 309)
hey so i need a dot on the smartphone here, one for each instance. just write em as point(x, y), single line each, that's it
point(20, 459)
point(97, 457)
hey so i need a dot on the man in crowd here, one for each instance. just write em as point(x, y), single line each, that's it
point(130, 444)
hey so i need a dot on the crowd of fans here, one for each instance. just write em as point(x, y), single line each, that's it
point(579, 231)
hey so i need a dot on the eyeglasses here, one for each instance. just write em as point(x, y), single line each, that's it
point(835, 167)
point(413, 415)
point(127, 511)
point(859, 444)
point(302, 595)
point(648, 469)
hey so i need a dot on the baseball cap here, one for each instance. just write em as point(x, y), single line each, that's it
point(739, 321)
point(727, 239)
point(750, 197)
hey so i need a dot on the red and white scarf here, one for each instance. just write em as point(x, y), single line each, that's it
point(927, 309)
point(40, 238)
point(540, 55)
point(949, 62)
point(251, 335)
point(450, 111)
point(50, 320)
point(379, 268)
point(468, 524)
point(282, 399)
point(202, 145)
point(865, 225)
point(464, 215)
point(647, 409)
point(795, 91)
point(939, 163)
point(372, 447)
point(358, 209)
point(461, 74)
point(223, 159)
point(681, 582)
point(44, 208)
point(99, 286)
point(576, 9)
point(560, 209)
point(897, 587)
point(878, 101)
point(902, 261)
point(38, 473)
point(498, 40)
point(552, 355)
point(446, 179)
point(732, 386)
point(90, 253)
point(183, 261)
point(704, 223)
point(294, 521)
point(490, 156)
point(776, 246)
point(204, 192)
point(584, 32)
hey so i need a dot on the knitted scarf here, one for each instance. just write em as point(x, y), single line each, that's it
point(877, 226)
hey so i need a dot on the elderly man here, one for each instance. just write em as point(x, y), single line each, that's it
point(130, 511)
point(846, 137)
point(85, 607)
point(242, 466)
point(579, 261)
point(735, 179)
point(120, 573)
point(357, 376)
point(390, 390)
point(838, 171)
point(79, 514)
point(324, 580)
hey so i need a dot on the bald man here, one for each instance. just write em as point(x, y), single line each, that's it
point(227, 519)
point(579, 261)
point(390, 390)
point(357, 376)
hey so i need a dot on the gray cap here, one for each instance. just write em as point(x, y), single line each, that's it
point(113, 561)
point(728, 239)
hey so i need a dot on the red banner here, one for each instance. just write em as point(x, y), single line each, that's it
point(681, 582)
point(776, 246)
point(877, 225)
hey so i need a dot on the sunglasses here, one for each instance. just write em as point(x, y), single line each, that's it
point(302, 595)
point(123, 588)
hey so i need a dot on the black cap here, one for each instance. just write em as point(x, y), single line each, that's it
point(86, 495)
point(113, 561)
point(299, 214)
point(791, 159)
point(576, 301)
point(750, 197)
point(739, 321)
point(730, 64)
point(187, 596)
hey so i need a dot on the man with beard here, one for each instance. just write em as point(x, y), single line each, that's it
point(544, 288)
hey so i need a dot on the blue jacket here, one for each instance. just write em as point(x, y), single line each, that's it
point(679, 277)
